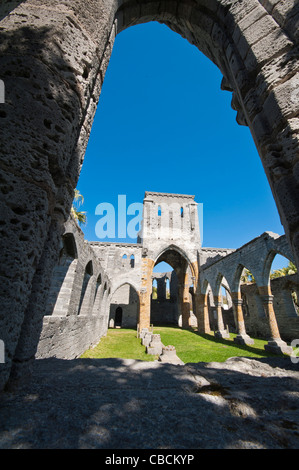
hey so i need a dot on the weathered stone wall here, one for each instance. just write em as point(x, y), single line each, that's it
point(286, 314)
point(78, 302)
point(121, 261)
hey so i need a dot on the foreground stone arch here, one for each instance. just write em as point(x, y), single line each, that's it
point(54, 55)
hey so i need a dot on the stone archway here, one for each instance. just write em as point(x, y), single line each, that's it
point(53, 64)
point(124, 307)
point(185, 272)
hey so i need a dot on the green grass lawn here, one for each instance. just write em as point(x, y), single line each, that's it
point(120, 343)
point(190, 346)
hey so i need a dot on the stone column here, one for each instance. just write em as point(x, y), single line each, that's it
point(202, 313)
point(243, 337)
point(161, 289)
point(184, 300)
point(145, 294)
point(221, 332)
point(275, 345)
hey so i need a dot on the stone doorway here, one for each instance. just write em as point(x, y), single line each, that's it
point(118, 317)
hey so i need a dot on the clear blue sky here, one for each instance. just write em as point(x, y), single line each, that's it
point(163, 124)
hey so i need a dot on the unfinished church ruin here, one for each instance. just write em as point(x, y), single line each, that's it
point(54, 55)
point(97, 285)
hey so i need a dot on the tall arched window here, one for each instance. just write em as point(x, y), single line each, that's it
point(159, 211)
point(85, 299)
point(132, 261)
point(62, 278)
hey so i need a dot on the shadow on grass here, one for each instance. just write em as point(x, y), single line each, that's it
point(231, 343)
point(225, 342)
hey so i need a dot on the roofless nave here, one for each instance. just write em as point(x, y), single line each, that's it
point(98, 284)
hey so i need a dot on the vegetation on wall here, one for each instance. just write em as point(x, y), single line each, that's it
point(79, 216)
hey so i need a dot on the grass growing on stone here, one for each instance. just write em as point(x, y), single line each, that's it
point(192, 347)
point(119, 343)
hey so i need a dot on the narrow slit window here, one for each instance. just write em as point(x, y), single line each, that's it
point(132, 261)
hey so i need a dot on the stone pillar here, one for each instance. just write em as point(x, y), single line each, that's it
point(202, 313)
point(275, 345)
point(145, 294)
point(184, 301)
point(161, 289)
point(243, 337)
point(221, 332)
point(145, 309)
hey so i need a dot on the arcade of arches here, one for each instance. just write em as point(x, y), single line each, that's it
point(54, 56)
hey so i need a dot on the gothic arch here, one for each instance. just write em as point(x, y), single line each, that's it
point(236, 280)
point(180, 252)
point(63, 277)
point(268, 263)
point(128, 301)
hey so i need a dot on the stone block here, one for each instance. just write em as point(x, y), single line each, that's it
point(278, 346)
point(244, 339)
point(155, 345)
point(147, 339)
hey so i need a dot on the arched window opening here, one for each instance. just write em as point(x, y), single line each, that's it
point(281, 266)
point(159, 211)
point(98, 285)
point(182, 212)
point(246, 276)
point(70, 245)
point(154, 290)
point(85, 298)
point(227, 305)
point(167, 289)
point(132, 261)
point(224, 297)
point(97, 295)
point(63, 278)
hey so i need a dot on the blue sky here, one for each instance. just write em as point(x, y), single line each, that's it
point(163, 124)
